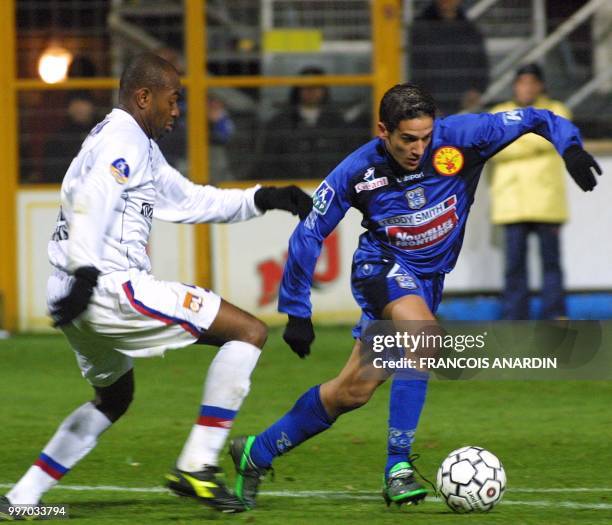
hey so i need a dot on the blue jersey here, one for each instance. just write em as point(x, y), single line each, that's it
point(415, 218)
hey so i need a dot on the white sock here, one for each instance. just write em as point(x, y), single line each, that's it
point(227, 384)
point(74, 438)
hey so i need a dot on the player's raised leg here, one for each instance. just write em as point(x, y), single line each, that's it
point(74, 439)
point(315, 411)
point(406, 402)
point(227, 383)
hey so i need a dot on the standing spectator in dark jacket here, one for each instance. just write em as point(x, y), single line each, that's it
point(305, 139)
point(448, 56)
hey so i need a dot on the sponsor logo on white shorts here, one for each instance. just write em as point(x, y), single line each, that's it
point(193, 302)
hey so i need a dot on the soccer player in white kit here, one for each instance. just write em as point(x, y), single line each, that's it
point(105, 300)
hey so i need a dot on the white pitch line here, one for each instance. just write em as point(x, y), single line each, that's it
point(369, 496)
point(101, 488)
point(510, 490)
point(307, 493)
point(362, 495)
point(563, 504)
point(561, 489)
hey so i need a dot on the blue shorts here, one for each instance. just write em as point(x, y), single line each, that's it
point(376, 282)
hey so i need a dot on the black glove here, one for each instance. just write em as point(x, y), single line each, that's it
point(580, 165)
point(75, 303)
point(299, 335)
point(289, 198)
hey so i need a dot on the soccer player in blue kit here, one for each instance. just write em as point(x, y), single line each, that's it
point(414, 185)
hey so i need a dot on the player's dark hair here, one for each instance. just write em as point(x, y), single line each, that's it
point(405, 101)
point(145, 70)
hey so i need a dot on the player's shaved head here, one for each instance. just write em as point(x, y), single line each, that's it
point(405, 101)
point(146, 70)
point(149, 90)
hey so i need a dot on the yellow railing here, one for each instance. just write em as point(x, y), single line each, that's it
point(385, 71)
point(8, 153)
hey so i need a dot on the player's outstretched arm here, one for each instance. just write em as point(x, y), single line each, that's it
point(288, 198)
point(489, 133)
point(180, 200)
point(330, 203)
point(582, 167)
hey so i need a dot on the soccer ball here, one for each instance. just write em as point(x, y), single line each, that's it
point(471, 479)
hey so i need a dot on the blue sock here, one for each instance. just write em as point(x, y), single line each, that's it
point(306, 419)
point(405, 405)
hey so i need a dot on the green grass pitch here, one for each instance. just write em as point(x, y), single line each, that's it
point(554, 439)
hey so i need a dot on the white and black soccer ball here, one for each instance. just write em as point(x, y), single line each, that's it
point(471, 479)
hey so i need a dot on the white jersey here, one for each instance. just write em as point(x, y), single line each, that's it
point(114, 188)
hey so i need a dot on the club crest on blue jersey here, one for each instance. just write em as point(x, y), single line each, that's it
point(120, 170)
point(322, 198)
point(416, 198)
point(406, 281)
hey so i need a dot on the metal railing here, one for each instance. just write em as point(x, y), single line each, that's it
point(541, 49)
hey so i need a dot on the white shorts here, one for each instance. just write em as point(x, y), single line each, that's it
point(132, 314)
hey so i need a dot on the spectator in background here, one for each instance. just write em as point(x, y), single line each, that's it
point(528, 195)
point(448, 56)
point(220, 131)
point(305, 139)
point(66, 143)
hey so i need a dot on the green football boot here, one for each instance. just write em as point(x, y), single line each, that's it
point(205, 487)
point(248, 475)
point(401, 487)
